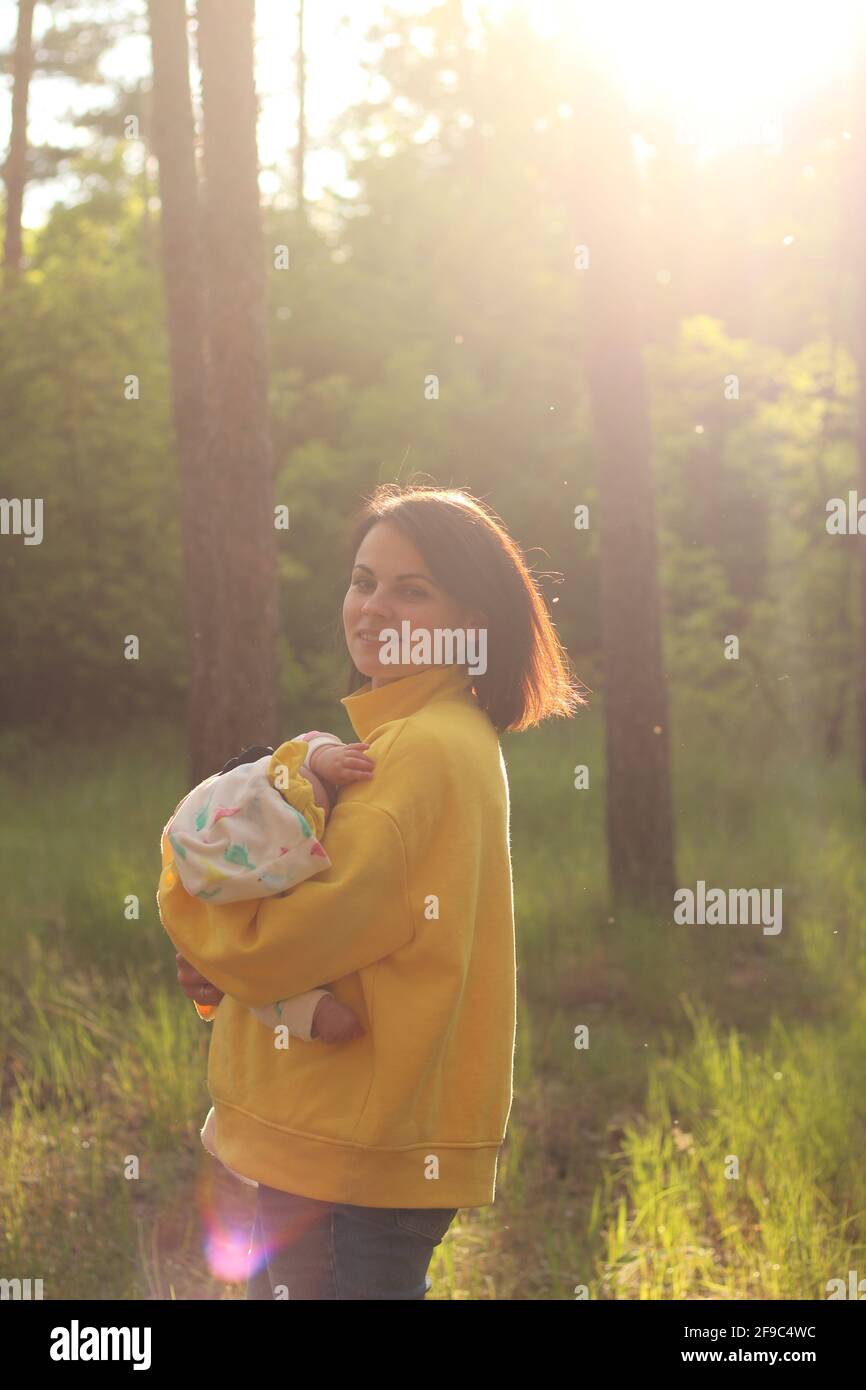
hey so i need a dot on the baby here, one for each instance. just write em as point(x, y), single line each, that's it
point(252, 831)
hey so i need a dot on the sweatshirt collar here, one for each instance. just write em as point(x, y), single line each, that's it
point(368, 708)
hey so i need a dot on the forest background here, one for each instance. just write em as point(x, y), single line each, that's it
point(706, 383)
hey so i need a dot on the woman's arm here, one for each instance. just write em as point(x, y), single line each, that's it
point(332, 925)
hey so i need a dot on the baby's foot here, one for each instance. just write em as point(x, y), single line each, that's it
point(334, 1022)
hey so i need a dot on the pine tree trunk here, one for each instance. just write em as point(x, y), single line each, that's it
point(854, 229)
point(182, 257)
point(861, 674)
point(301, 147)
point(15, 173)
point(860, 541)
point(639, 804)
point(244, 704)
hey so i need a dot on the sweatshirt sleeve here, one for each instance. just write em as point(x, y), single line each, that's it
point(295, 1014)
point(331, 925)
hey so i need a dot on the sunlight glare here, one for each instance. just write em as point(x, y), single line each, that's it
point(725, 73)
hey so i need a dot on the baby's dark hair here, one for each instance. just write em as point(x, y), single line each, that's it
point(249, 755)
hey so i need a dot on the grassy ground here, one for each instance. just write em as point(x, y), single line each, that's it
point(707, 1143)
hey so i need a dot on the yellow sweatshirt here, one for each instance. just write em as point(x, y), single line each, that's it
point(413, 927)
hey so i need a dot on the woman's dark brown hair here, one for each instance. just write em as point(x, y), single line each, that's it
point(473, 558)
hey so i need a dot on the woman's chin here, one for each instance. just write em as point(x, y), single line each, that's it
point(367, 662)
point(373, 669)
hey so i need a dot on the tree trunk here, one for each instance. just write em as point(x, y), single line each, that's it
point(15, 173)
point(639, 804)
point(861, 447)
point(860, 358)
point(301, 148)
point(149, 164)
point(174, 142)
point(243, 707)
point(854, 223)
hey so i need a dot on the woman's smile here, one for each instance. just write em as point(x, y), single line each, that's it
point(390, 576)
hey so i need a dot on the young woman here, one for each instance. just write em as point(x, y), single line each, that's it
point(365, 1150)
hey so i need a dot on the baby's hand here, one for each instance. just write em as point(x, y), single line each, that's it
point(335, 1022)
point(340, 763)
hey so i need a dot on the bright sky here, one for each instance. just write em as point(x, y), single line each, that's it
point(724, 68)
point(712, 58)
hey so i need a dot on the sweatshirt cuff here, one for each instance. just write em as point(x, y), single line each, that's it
point(295, 1013)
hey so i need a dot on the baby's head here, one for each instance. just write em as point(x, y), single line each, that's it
point(320, 792)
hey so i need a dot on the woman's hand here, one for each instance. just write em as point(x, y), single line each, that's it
point(194, 985)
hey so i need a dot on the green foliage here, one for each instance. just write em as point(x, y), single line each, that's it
point(454, 262)
point(750, 445)
point(86, 317)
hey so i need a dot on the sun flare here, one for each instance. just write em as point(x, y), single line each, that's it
point(725, 73)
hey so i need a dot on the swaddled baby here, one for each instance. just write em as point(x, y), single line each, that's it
point(253, 830)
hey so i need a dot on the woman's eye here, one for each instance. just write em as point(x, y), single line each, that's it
point(410, 592)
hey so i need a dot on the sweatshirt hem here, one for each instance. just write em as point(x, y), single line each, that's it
point(332, 1170)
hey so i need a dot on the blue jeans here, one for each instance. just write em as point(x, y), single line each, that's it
point(305, 1249)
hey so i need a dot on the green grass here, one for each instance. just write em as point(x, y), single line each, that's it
point(706, 1044)
point(743, 1179)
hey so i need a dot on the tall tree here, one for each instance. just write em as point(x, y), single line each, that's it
point(16, 165)
point(301, 146)
point(639, 803)
point(174, 141)
point(243, 706)
point(854, 228)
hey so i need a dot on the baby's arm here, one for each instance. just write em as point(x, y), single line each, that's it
point(295, 1014)
point(314, 1015)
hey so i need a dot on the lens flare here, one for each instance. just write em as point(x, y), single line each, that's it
point(229, 1257)
point(231, 1254)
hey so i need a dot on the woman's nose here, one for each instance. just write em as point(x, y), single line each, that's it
point(377, 611)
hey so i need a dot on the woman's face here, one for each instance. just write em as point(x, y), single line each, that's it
point(391, 583)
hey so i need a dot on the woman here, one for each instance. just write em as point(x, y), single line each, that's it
point(364, 1151)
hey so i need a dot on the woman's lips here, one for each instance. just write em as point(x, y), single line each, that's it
point(368, 641)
